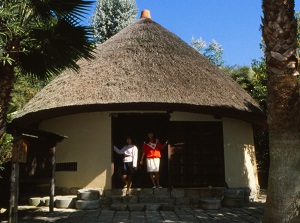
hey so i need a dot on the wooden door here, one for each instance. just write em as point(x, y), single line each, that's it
point(196, 154)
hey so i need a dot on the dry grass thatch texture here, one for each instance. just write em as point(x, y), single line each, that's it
point(144, 64)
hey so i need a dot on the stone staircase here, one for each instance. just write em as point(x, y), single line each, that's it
point(157, 199)
point(141, 199)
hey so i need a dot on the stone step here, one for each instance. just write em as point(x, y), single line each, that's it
point(205, 198)
point(88, 194)
point(87, 204)
point(150, 199)
point(210, 203)
point(142, 207)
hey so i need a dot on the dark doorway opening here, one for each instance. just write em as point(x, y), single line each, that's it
point(196, 154)
point(137, 125)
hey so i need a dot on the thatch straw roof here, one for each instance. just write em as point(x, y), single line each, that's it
point(143, 67)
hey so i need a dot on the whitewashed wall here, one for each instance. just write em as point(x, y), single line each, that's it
point(239, 155)
point(89, 145)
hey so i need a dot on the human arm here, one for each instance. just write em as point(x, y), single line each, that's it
point(166, 143)
point(119, 151)
point(142, 159)
point(134, 156)
point(161, 146)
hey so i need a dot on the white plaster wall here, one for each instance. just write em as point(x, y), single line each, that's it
point(239, 155)
point(88, 144)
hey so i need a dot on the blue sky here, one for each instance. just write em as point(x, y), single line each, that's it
point(234, 24)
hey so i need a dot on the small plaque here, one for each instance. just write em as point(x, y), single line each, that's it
point(19, 154)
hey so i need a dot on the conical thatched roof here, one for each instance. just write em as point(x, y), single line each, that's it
point(143, 67)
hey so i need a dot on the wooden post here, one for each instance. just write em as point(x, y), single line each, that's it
point(52, 183)
point(170, 166)
point(14, 193)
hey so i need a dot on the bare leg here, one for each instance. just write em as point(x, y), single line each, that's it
point(129, 183)
point(157, 179)
point(152, 177)
point(125, 180)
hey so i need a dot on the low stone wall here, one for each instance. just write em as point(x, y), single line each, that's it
point(147, 198)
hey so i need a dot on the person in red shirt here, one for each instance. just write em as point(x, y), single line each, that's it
point(151, 150)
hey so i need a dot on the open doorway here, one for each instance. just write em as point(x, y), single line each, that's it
point(137, 125)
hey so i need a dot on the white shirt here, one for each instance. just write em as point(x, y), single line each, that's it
point(130, 152)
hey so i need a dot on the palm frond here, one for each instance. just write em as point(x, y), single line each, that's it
point(61, 46)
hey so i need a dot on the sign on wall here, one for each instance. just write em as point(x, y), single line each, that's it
point(19, 153)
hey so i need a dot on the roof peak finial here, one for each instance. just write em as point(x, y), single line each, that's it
point(145, 14)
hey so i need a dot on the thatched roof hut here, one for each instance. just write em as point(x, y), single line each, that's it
point(146, 77)
point(143, 67)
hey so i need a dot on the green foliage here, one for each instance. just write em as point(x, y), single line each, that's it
point(24, 89)
point(111, 16)
point(261, 138)
point(43, 37)
point(297, 15)
point(242, 75)
point(5, 148)
point(40, 38)
point(259, 81)
point(252, 79)
point(212, 51)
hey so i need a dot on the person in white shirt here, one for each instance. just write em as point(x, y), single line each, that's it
point(130, 152)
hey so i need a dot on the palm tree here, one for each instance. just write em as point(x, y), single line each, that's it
point(40, 38)
point(280, 36)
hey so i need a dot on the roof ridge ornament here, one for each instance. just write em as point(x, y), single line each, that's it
point(145, 14)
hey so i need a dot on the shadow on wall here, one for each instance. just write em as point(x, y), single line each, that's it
point(251, 167)
point(241, 166)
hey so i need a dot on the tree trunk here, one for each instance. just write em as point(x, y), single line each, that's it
point(7, 80)
point(280, 36)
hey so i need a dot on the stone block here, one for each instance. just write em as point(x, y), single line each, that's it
point(73, 190)
point(191, 193)
point(130, 199)
point(233, 203)
point(152, 207)
point(177, 193)
point(146, 191)
point(247, 194)
point(135, 191)
point(167, 207)
point(218, 192)
point(118, 207)
point(210, 203)
point(205, 192)
point(234, 193)
point(88, 194)
point(107, 193)
point(136, 207)
point(154, 199)
point(194, 200)
point(116, 199)
point(87, 205)
point(182, 201)
point(161, 192)
point(105, 201)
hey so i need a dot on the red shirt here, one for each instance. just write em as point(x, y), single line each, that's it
point(152, 149)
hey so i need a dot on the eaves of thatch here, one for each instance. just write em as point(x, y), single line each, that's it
point(143, 67)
